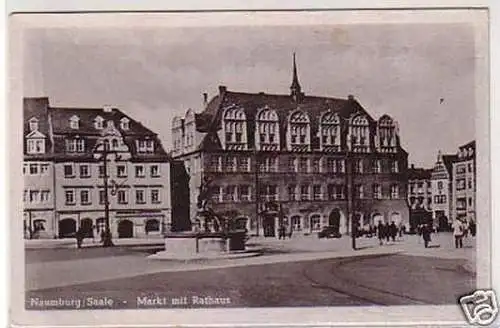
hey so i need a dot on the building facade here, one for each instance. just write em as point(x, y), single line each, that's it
point(87, 148)
point(464, 183)
point(306, 160)
point(419, 196)
point(442, 191)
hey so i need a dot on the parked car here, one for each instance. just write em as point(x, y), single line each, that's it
point(329, 232)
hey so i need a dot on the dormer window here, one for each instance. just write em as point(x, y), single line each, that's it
point(298, 132)
point(234, 128)
point(386, 138)
point(267, 131)
point(125, 124)
point(145, 146)
point(330, 132)
point(98, 123)
point(33, 124)
point(359, 132)
point(74, 122)
point(110, 124)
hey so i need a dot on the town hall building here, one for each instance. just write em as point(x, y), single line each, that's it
point(306, 160)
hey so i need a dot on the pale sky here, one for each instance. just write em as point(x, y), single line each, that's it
point(402, 70)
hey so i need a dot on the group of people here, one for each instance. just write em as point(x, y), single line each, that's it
point(386, 231)
point(461, 229)
point(285, 230)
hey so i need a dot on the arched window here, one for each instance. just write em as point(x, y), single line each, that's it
point(74, 122)
point(235, 128)
point(359, 134)
point(98, 123)
point(329, 132)
point(386, 134)
point(298, 133)
point(125, 124)
point(267, 136)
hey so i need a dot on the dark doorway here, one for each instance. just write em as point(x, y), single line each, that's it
point(334, 220)
point(125, 229)
point(67, 228)
point(269, 223)
point(443, 223)
point(87, 229)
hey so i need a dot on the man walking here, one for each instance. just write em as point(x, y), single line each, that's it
point(380, 232)
point(458, 233)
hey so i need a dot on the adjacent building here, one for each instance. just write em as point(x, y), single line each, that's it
point(419, 196)
point(442, 190)
point(308, 160)
point(75, 149)
point(464, 183)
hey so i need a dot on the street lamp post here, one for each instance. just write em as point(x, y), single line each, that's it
point(107, 240)
point(350, 170)
point(256, 177)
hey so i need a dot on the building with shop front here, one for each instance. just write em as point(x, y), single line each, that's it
point(305, 160)
point(464, 183)
point(135, 165)
point(442, 190)
point(419, 196)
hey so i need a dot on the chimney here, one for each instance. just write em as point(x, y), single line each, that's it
point(350, 97)
point(205, 99)
point(107, 108)
point(222, 89)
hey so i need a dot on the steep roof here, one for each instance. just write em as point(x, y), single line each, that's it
point(419, 174)
point(448, 162)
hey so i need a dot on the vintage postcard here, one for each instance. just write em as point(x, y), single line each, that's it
point(251, 168)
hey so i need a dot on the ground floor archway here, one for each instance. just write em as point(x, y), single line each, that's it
point(334, 220)
point(396, 218)
point(125, 229)
point(377, 218)
point(87, 227)
point(67, 228)
point(269, 225)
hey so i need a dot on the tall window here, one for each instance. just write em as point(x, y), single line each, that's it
point(268, 164)
point(215, 163)
point(386, 134)
point(154, 171)
point(303, 165)
point(139, 171)
point(75, 145)
point(125, 124)
point(267, 135)
point(229, 164)
point(292, 193)
point(394, 191)
point(244, 193)
point(315, 165)
point(98, 123)
point(358, 166)
point(155, 196)
point(33, 124)
point(68, 171)
point(36, 146)
point(234, 126)
point(317, 194)
point(292, 164)
point(377, 191)
point(74, 122)
point(359, 132)
point(84, 171)
point(243, 164)
point(359, 191)
point(140, 197)
point(298, 132)
point(330, 132)
point(101, 170)
point(122, 196)
point(85, 197)
point(394, 167)
point(230, 194)
point(45, 196)
point(304, 192)
point(69, 196)
point(216, 193)
point(102, 197)
point(377, 166)
point(121, 171)
point(145, 146)
point(269, 192)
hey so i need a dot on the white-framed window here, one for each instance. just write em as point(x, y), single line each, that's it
point(74, 122)
point(34, 196)
point(244, 164)
point(102, 197)
point(267, 134)
point(101, 170)
point(44, 169)
point(341, 165)
point(317, 193)
point(394, 191)
point(98, 123)
point(85, 197)
point(387, 134)
point(377, 166)
point(216, 194)
point(315, 222)
point(395, 167)
point(155, 170)
point(122, 196)
point(33, 122)
point(45, 196)
point(234, 128)
point(303, 165)
point(75, 145)
point(304, 192)
point(140, 197)
point(69, 172)
point(358, 166)
point(139, 171)
point(36, 146)
point(336, 191)
point(229, 164)
point(330, 131)
point(315, 165)
point(331, 165)
point(230, 193)
point(215, 163)
point(292, 164)
point(377, 191)
point(245, 193)
point(145, 146)
point(69, 197)
point(34, 169)
point(268, 164)
point(298, 131)
point(125, 124)
point(121, 171)
point(155, 196)
point(359, 191)
point(84, 171)
point(359, 132)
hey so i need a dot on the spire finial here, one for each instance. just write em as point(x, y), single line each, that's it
point(295, 87)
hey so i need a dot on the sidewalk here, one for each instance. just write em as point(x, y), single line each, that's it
point(71, 242)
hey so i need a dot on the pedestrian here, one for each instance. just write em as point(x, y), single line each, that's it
point(290, 231)
point(79, 237)
point(387, 231)
point(426, 234)
point(400, 230)
point(380, 232)
point(458, 232)
point(393, 230)
point(472, 227)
